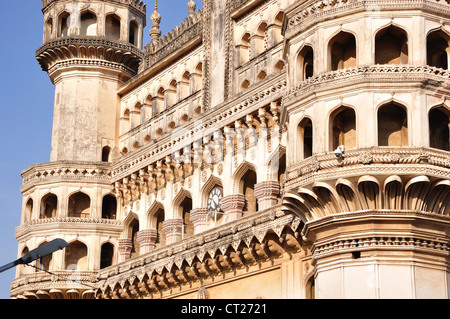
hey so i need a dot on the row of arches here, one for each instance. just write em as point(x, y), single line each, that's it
point(392, 128)
point(176, 91)
point(87, 24)
point(391, 47)
point(254, 43)
point(164, 225)
point(78, 206)
point(75, 257)
point(277, 67)
point(419, 193)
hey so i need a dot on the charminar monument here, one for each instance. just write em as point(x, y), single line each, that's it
point(275, 149)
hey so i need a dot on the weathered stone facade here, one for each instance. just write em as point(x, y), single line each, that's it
point(262, 149)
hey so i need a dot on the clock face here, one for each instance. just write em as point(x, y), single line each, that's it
point(214, 199)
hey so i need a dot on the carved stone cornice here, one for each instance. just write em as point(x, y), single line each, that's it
point(67, 223)
point(93, 49)
point(136, 4)
point(247, 240)
point(372, 230)
point(58, 285)
point(63, 171)
point(379, 76)
point(373, 160)
point(304, 15)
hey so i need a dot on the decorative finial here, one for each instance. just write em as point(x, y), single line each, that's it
point(191, 7)
point(155, 32)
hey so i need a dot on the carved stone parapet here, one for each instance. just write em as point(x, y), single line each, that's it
point(125, 247)
point(147, 240)
point(173, 228)
point(267, 194)
point(232, 206)
point(199, 217)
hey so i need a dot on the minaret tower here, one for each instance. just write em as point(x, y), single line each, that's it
point(90, 48)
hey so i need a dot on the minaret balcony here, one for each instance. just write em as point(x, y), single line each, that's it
point(369, 179)
point(88, 51)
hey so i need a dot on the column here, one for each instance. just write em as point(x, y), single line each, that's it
point(125, 246)
point(232, 206)
point(147, 240)
point(267, 194)
point(199, 217)
point(173, 229)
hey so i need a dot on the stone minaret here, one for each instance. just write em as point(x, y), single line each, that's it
point(90, 48)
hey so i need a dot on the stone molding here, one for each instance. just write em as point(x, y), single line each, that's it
point(232, 206)
point(228, 247)
point(54, 172)
point(137, 4)
point(91, 48)
point(355, 162)
point(86, 223)
point(312, 12)
point(361, 75)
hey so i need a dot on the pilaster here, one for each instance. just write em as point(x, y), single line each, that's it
point(125, 246)
point(147, 240)
point(199, 217)
point(173, 228)
point(267, 194)
point(232, 206)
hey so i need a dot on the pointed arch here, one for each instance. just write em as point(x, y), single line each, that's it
point(391, 45)
point(342, 51)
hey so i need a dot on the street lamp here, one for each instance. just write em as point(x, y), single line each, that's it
point(41, 251)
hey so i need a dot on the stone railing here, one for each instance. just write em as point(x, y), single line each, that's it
point(85, 223)
point(137, 4)
point(65, 171)
point(311, 11)
point(54, 284)
point(208, 244)
point(328, 166)
point(380, 72)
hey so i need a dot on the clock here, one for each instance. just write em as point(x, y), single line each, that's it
point(214, 200)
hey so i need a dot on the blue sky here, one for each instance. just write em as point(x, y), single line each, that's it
point(26, 106)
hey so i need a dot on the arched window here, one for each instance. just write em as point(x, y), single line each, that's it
point(79, 205)
point(106, 255)
point(44, 263)
point(245, 84)
point(391, 46)
point(49, 205)
point(133, 33)
point(306, 63)
point(437, 49)
point(343, 128)
point(136, 115)
point(160, 100)
point(185, 85)
point(88, 24)
point(261, 76)
point(23, 269)
point(172, 93)
point(112, 27)
point(198, 77)
point(64, 24)
point(392, 125)
point(306, 137)
point(106, 152)
point(439, 125)
point(260, 39)
point(244, 49)
point(247, 187)
point(76, 256)
point(28, 210)
point(48, 29)
point(133, 229)
point(109, 207)
point(185, 210)
point(156, 222)
point(342, 48)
